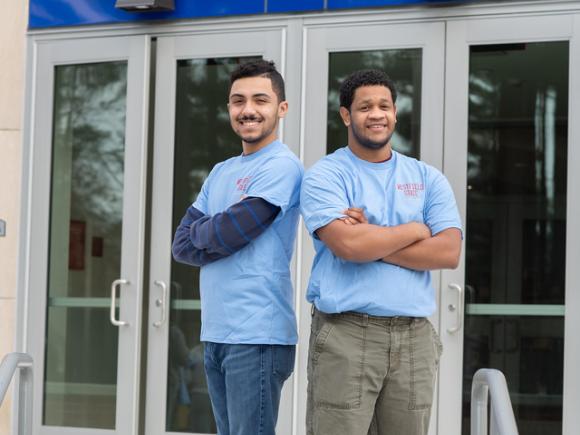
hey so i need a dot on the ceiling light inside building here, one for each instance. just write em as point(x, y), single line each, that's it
point(145, 5)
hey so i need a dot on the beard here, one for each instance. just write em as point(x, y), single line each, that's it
point(252, 140)
point(369, 143)
point(259, 137)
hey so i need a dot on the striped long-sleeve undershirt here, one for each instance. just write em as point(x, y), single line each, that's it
point(201, 239)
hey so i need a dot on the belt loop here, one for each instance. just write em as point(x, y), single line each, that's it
point(365, 320)
point(312, 310)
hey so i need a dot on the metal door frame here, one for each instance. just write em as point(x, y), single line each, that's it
point(322, 40)
point(546, 25)
point(46, 55)
point(268, 41)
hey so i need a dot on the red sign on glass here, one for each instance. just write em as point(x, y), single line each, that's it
point(76, 245)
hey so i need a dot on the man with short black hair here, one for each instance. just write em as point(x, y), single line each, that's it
point(241, 231)
point(380, 222)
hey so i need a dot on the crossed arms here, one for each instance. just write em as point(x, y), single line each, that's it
point(201, 239)
point(409, 245)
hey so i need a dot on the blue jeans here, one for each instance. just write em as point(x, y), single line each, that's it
point(244, 383)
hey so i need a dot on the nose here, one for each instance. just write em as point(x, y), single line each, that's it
point(376, 113)
point(248, 109)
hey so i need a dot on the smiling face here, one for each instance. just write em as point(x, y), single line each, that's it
point(371, 119)
point(255, 111)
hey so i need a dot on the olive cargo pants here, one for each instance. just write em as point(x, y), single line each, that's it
point(370, 375)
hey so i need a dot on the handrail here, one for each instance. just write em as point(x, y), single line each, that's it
point(8, 367)
point(502, 418)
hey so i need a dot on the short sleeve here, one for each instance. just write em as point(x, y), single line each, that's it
point(323, 198)
point(278, 182)
point(201, 200)
point(441, 210)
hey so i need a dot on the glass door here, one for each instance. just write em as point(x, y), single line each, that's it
point(87, 203)
point(413, 56)
point(509, 152)
point(192, 134)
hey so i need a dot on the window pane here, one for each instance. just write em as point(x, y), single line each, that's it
point(86, 221)
point(517, 173)
point(516, 226)
point(530, 352)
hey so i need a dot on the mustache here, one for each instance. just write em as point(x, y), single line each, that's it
point(248, 118)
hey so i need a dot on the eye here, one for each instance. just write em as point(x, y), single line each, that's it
point(363, 108)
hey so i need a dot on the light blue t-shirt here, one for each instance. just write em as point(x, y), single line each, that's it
point(394, 192)
point(247, 298)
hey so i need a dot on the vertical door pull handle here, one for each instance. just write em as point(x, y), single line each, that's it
point(161, 303)
point(458, 308)
point(116, 283)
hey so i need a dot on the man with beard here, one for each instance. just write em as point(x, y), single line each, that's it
point(380, 222)
point(241, 231)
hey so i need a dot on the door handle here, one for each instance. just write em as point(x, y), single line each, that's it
point(458, 308)
point(117, 282)
point(161, 303)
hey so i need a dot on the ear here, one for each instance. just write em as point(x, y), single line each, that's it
point(282, 109)
point(395, 113)
point(345, 115)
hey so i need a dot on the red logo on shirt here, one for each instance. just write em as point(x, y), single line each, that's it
point(411, 189)
point(242, 183)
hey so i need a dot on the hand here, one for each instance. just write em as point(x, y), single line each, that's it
point(354, 216)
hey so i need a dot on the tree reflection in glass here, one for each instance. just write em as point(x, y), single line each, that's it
point(86, 222)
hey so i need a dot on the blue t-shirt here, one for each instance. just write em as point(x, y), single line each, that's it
point(394, 192)
point(247, 298)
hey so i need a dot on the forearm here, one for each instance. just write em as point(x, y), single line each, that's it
point(366, 242)
point(185, 253)
point(438, 252)
point(227, 232)
point(201, 239)
point(184, 250)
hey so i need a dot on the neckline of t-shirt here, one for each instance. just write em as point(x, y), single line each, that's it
point(378, 166)
point(267, 149)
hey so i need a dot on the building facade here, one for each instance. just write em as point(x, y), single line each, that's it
point(125, 115)
point(12, 66)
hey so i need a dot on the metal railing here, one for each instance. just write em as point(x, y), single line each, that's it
point(10, 363)
point(502, 420)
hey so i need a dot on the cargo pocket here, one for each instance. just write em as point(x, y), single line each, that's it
point(425, 350)
point(338, 364)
